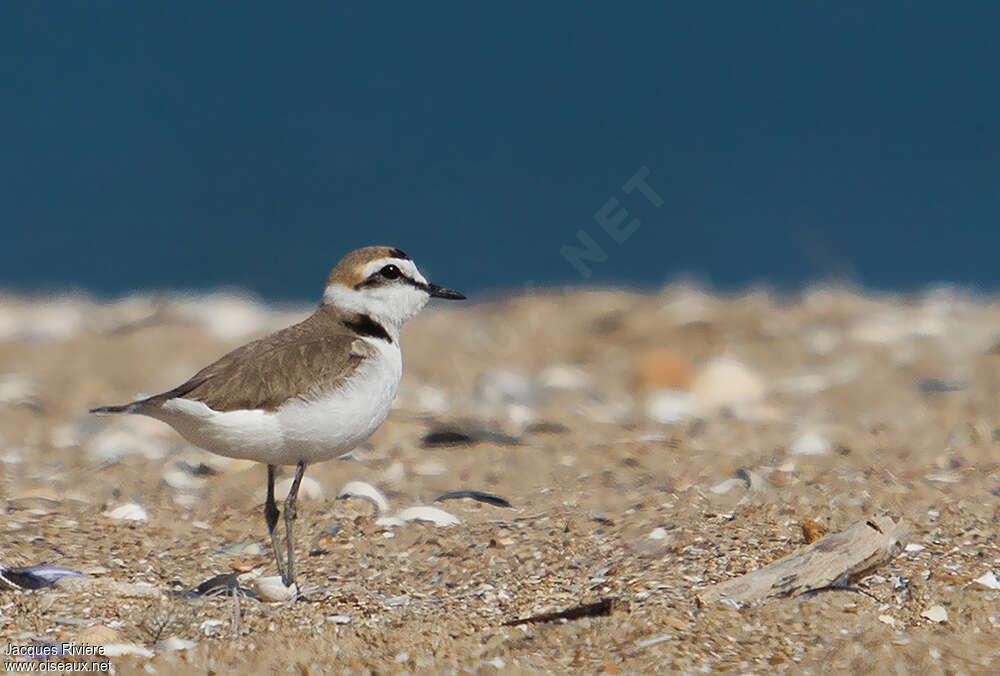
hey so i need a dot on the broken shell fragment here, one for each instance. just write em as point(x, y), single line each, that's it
point(364, 490)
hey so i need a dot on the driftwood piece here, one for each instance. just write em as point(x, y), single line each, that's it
point(845, 556)
point(602, 607)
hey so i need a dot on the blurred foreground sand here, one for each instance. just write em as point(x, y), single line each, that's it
point(650, 445)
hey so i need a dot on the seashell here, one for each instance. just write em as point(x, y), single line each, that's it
point(364, 490)
point(434, 515)
point(128, 512)
point(273, 590)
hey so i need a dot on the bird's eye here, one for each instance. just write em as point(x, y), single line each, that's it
point(390, 272)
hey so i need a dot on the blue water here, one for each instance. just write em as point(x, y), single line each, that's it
point(198, 145)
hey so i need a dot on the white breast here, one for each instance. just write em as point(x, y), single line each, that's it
point(323, 425)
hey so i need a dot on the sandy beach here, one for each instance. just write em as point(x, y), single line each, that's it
point(649, 446)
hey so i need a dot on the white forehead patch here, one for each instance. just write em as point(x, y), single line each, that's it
point(406, 267)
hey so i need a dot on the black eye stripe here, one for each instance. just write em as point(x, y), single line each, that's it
point(379, 278)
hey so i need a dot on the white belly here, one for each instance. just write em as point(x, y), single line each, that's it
point(321, 426)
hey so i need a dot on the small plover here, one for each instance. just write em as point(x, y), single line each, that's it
point(309, 392)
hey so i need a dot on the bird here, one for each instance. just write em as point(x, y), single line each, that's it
point(307, 393)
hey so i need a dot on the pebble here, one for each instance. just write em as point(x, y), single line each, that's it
point(726, 382)
point(658, 533)
point(686, 305)
point(309, 489)
point(913, 547)
point(935, 614)
point(519, 416)
point(660, 369)
point(130, 511)
point(564, 377)
point(364, 490)
point(669, 407)
point(338, 619)
point(272, 590)
point(811, 443)
point(242, 549)
point(508, 387)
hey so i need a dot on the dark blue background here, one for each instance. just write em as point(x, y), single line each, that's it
point(193, 145)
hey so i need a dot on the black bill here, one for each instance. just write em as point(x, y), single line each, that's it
point(441, 292)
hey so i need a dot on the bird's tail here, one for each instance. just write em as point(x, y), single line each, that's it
point(125, 408)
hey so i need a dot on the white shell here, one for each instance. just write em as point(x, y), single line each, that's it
point(888, 619)
point(309, 489)
point(273, 590)
point(659, 533)
point(129, 512)
point(671, 406)
point(935, 614)
point(438, 517)
point(389, 522)
point(363, 489)
point(175, 643)
point(989, 580)
point(811, 443)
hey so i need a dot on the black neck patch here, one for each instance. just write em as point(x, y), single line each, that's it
point(366, 326)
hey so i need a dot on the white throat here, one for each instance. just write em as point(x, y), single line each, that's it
point(389, 306)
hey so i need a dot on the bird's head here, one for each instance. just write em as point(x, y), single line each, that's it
point(383, 283)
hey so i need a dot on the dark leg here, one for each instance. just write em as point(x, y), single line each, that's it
point(271, 514)
point(290, 515)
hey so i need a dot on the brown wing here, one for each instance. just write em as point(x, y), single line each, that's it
point(267, 372)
